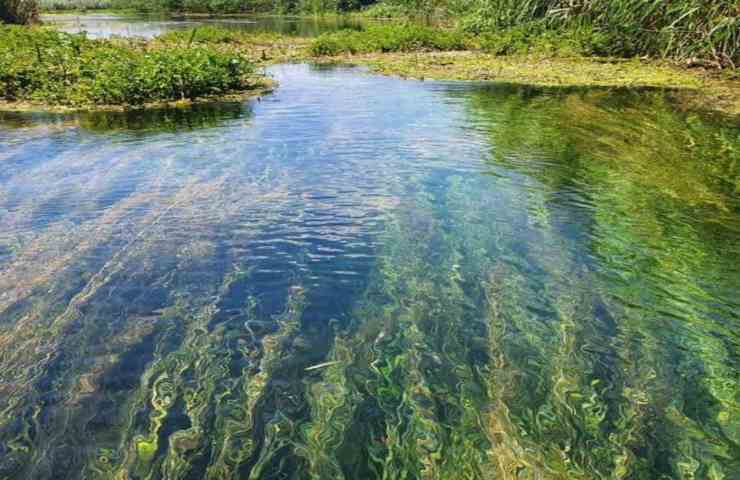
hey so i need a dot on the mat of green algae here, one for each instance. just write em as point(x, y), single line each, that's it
point(365, 277)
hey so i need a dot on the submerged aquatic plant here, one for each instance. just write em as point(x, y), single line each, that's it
point(542, 305)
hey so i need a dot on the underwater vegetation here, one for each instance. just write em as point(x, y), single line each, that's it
point(660, 391)
point(537, 284)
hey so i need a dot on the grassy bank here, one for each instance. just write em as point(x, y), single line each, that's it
point(45, 67)
point(687, 30)
point(389, 38)
point(564, 56)
point(410, 36)
point(694, 89)
point(53, 69)
point(680, 29)
point(260, 48)
point(701, 30)
point(535, 37)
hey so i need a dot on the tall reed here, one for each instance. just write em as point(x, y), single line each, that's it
point(682, 29)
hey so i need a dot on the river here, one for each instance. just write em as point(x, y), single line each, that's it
point(364, 277)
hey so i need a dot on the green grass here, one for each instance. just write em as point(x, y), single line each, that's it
point(216, 35)
point(686, 30)
point(538, 38)
point(43, 66)
point(406, 37)
point(389, 38)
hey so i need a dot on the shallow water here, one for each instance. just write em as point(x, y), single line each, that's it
point(364, 277)
point(98, 25)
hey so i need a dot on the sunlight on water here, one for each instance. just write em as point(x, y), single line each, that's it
point(98, 25)
point(361, 277)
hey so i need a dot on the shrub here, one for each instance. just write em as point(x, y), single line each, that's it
point(62, 69)
point(386, 10)
point(203, 34)
point(19, 11)
point(219, 35)
point(389, 38)
point(539, 38)
point(60, 5)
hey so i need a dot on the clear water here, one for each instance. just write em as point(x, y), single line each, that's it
point(149, 26)
point(362, 277)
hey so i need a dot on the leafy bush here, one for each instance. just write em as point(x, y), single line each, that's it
point(60, 5)
point(203, 34)
point(534, 37)
point(386, 10)
point(389, 38)
point(41, 65)
point(18, 11)
point(219, 35)
point(537, 37)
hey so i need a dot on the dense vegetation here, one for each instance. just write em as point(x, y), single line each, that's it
point(18, 11)
point(404, 37)
point(703, 31)
point(39, 65)
point(81, 4)
point(681, 29)
point(214, 6)
point(389, 38)
point(207, 34)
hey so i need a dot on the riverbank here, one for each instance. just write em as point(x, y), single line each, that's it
point(693, 88)
point(573, 56)
point(41, 68)
point(265, 88)
point(696, 89)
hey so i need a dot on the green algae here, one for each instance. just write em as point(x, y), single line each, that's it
point(696, 89)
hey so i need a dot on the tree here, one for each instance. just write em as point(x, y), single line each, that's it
point(19, 11)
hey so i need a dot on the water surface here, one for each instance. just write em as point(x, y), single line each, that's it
point(98, 25)
point(365, 277)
